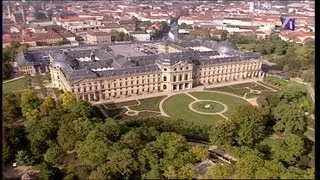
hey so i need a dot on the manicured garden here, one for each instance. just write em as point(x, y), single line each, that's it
point(177, 107)
point(151, 104)
point(208, 107)
point(230, 101)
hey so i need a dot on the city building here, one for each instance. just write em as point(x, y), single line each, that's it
point(100, 73)
point(94, 37)
point(140, 35)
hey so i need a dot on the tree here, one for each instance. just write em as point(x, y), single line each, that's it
point(29, 104)
point(270, 170)
point(7, 71)
point(219, 171)
point(9, 112)
point(290, 118)
point(247, 166)
point(67, 136)
point(82, 109)
point(54, 155)
point(122, 163)
point(94, 150)
point(170, 149)
point(48, 172)
point(131, 140)
point(200, 153)
point(47, 105)
point(24, 158)
point(187, 172)
point(249, 123)
point(68, 100)
point(289, 149)
point(223, 133)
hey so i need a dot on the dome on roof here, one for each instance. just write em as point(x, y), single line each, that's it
point(225, 47)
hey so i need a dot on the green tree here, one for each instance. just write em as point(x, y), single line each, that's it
point(67, 136)
point(121, 163)
point(68, 100)
point(29, 104)
point(54, 155)
point(187, 172)
point(47, 105)
point(270, 170)
point(223, 133)
point(249, 123)
point(200, 153)
point(24, 158)
point(219, 171)
point(247, 166)
point(82, 109)
point(290, 118)
point(131, 140)
point(94, 150)
point(48, 172)
point(289, 149)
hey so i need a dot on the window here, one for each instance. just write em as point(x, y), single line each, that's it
point(174, 78)
point(181, 69)
point(175, 69)
point(180, 77)
point(186, 77)
point(165, 69)
point(187, 67)
point(164, 86)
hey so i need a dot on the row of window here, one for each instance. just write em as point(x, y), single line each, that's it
point(175, 69)
point(78, 89)
point(227, 70)
point(175, 78)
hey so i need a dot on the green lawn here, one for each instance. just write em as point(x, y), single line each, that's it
point(121, 104)
point(147, 114)
point(151, 104)
point(199, 106)
point(259, 88)
point(231, 101)
point(243, 85)
point(239, 92)
point(269, 85)
point(14, 86)
point(177, 107)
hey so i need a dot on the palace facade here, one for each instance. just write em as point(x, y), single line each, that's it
point(100, 73)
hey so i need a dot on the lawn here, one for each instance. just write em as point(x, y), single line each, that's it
point(230, 101)
point(269, 85)
point(239, 92)
point(121, 104)
point(243, 85)
point(177, 107)
point(14, 86)
point(151, 104)
point(259, 88)
point(216, 107)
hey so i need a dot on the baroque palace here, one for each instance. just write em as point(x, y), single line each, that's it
point(106, 72)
